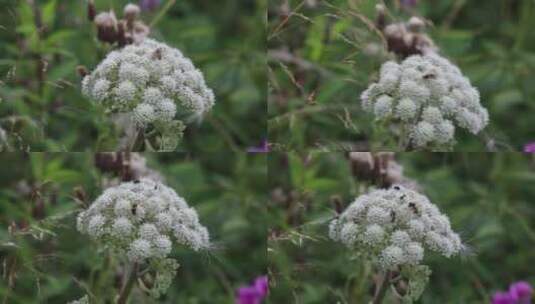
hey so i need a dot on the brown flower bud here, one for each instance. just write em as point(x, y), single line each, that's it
point(362, 164)
point(109, 161)
point(91, 11)
point(380, 21)
point(81, 196)
point(131, 12)
point(38, 209)
point(337, 202)
point(106, 26)
point(122, 36)
point(82, 71)
point(407, 38)
point(416, 25)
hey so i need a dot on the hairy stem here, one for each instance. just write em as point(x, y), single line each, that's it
point(128, 285)
point(380, 293)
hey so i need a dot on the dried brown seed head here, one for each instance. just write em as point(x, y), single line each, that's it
point(106, 26)
point(131, 12)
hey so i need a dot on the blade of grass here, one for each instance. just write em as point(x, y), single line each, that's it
point(162, 13)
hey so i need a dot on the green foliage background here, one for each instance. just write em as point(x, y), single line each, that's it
point(46, 111)
point(489, 198)
point(52, 263)
point(323, 54)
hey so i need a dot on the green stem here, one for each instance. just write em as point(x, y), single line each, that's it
point(524, 24)
point(381, 290)
point(360, 285)
point(162, 13)
point(128, 285)
point(401, 140)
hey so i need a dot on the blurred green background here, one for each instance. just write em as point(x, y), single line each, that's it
point(323, 54)
point(489, 198)
point(41, 103)
point(45, 260)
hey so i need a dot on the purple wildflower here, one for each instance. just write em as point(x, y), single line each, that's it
point(262, 285)
point(409, 3)
point(262, 148)
point(529, 148)
point(149, 5)
point(519, 293)
point(253, 294)
point(502, 298)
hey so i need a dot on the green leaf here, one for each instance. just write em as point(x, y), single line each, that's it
point(418, 277)
point(314, 41)
point(58, 37)
point(506, 99)
point(49, 13)
point(26, 15)
point(171, 134)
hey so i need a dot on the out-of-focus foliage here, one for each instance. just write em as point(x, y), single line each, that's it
point(323, 54)
point(42, 43)
point(45, 260)
point(489, 198)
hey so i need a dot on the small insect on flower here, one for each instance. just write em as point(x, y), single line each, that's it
point(140, 221)
point(152, 82)
point(428, 94)
point(367, 226)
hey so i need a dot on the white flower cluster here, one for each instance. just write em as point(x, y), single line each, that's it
point(140, 218)
point(150, 80)
point(430, 95)
point(394, 226)
point(83, 300)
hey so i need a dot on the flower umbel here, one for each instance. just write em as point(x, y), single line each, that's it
point(392, 228)
point(140, 221)
point(430, 96)
point(152, 82)
point(395, 226)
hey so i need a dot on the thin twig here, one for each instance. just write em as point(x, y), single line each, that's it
point(286, 117)
point(287, 57)
point(285, 21)
point(381, 290)
point(226, 135)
